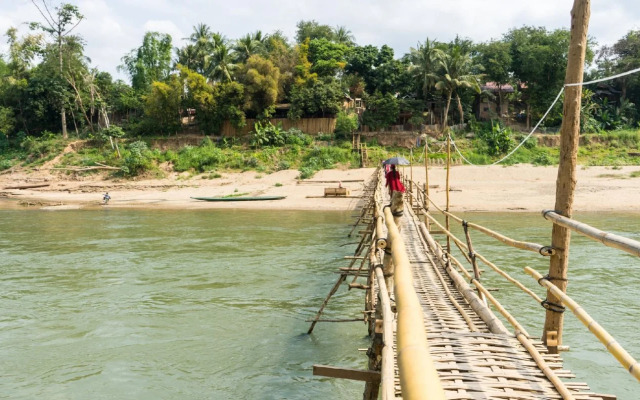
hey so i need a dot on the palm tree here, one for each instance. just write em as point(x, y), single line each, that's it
point(343, 36)
point(249, 45)
point(425, 63)
point(220, 65)
point(456, 74)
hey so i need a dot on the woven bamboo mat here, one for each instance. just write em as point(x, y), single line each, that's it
point(480, 364)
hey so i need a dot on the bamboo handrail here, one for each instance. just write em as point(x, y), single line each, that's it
point(418, 375)
point(624, 358)
point(534, 247)
point(608, 239)
point(387, 380)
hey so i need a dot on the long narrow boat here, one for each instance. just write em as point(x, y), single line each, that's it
point(240, 198)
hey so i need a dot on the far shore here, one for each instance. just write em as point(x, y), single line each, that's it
point(518, 188)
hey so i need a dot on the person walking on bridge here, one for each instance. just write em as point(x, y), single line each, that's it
point(393, 181)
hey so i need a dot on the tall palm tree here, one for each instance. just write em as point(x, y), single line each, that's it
point(220, 64)
point(456, 74)
point(248, 45)
point(343, 36)
point(425, 63)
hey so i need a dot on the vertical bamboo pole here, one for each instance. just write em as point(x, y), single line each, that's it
point(426, 183)
point(411, 178)
point(566, 181)
point(447, 188)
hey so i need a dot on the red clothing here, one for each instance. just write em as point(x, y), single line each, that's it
point(393, 181)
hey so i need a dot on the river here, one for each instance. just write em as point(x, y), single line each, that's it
point(114, 304)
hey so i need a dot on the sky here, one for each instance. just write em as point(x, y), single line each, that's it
point(112, 28)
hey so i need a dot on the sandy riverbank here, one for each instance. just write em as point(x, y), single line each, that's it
point(473, 188)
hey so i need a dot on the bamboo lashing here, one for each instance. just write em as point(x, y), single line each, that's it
point(608, 239)
point(418, 376)
point(624, 358)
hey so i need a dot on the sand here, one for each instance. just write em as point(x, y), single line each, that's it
point(519, 188)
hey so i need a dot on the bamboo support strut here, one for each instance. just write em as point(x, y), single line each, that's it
point(418, 376)
point(608, 239)
point(534, 247)
point(487, 262)
point(628, 362)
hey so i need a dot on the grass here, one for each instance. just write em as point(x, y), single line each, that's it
point(613, 149)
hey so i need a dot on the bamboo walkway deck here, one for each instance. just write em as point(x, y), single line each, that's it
point(475, 363)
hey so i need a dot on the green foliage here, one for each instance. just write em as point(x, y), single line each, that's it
point(150, 62)
point(267, 134)
point(138, 158)
point(497, 138)
point(325, 158)
point(260, 79)
point(327, 58)
point(319, 98)
point(162, 105)
point(382, 111)
point(346, 124)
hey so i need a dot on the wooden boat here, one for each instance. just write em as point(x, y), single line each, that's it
point(240, 198)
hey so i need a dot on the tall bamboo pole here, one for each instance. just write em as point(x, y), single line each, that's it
point(566, 181)
point(411, 178)
point(426, 182)
point(447, 188)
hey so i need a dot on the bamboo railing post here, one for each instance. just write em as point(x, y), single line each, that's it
point(566, 181)
point(472, 256)
point(411, 178)
point(426, 182)
point(447, 187)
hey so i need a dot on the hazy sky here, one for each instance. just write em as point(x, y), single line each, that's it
point(112, 28)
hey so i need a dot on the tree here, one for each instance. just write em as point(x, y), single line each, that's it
point(150, 62)
point(327, 58)
point(622, 56)
point(249, 45)
point(163, 104)
point(316, 98)
point(539, 62)
point(344, 36)
point(382, 111)
point(425, 62)
point(495, 58)
point(260, 79)
point(456, 74)
point(303, 72)
point(58, 25)
point(313, 30)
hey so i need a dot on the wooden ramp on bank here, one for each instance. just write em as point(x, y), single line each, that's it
point(471, 361)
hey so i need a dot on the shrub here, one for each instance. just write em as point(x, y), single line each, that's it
point(346, 124)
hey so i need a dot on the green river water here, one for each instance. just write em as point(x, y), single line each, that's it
point(130, 304)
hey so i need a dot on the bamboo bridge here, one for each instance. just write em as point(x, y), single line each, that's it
point(432, 323)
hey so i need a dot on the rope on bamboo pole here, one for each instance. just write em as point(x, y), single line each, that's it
point(624, 358)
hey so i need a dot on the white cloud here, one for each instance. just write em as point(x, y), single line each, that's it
point(114, 27)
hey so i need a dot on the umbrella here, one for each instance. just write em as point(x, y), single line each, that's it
point(396, 161)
